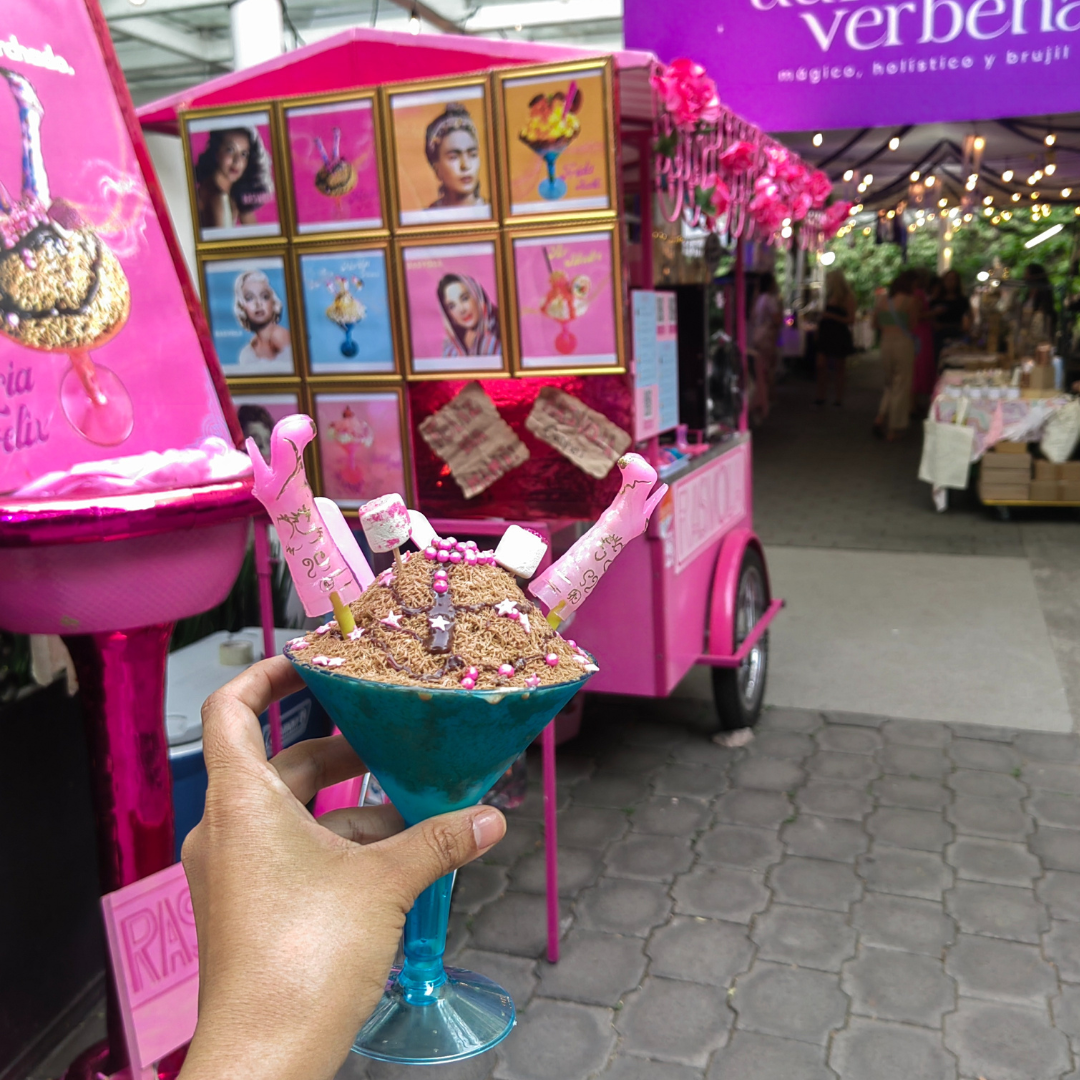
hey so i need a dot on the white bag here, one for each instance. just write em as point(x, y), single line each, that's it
point(1061, 434)
point(946, 456)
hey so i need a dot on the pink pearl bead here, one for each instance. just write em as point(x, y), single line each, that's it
point(430, 553)
point(471, 544)
point(450, 542)
point(572, 644)
point(443, 556)
point(506, 670)
point(440, 573)
point(460, 545)
point(440, 586)
point(468, 684)
point(470, 558)
point(514, 614)
point(552, 659)
point(456, 556)
point(473, 673)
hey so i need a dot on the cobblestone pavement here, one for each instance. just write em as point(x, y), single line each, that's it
point(847, 897)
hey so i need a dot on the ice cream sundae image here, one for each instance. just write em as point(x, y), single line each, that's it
point(567, 299)
point(353, 435)
point(337, 177)
point(552, 126)
point(346, 311)
point(62, 290)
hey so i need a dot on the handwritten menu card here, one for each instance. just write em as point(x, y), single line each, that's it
point(588, 438)
point(474, 440)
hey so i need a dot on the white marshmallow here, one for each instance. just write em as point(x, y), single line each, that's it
point(385, 522)
point(520, 551)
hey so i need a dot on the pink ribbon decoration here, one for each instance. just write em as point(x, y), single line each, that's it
point(565, 585)
point(317, 566)
point(738, 158)
point(687, 93)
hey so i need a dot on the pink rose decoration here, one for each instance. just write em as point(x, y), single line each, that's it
point(738, 158)
point(820, 188)
point(784, 165)
point(800, 205)
point(687, 93)
point(835, 216)
point(767, 207)
point(721, 198)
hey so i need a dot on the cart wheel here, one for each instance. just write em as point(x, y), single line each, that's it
point(738, 692)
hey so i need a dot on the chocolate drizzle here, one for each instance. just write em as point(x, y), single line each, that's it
point(31, 243)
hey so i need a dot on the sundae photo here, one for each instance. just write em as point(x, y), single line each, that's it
point(552, 126)
point(346, 311)
point(337, 177)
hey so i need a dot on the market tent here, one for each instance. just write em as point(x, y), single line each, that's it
point(358, 58)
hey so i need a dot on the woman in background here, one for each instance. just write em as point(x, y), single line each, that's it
point(951, 312)
point(765, 322)
point(927, 290)
point(835, 343)
point(893, 316)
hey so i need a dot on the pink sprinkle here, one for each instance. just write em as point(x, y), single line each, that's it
point(515, 614)
point(506, 670)
point(552, 659)
point(532, 681)
point(473, 673)
point(356, 635)
point(324, 629)
point(440, 586)
point(322, 661)
point(443, 556)
point(468, 684)
point(335, 662)
point(456, 556)
point(299, 643)
point(430, 553)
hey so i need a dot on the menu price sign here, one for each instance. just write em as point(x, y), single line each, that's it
point(643, 332)
point(667, 358)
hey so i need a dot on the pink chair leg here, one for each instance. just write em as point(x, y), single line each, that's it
point(551, 842)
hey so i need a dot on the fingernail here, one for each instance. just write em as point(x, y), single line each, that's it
point(488, 827)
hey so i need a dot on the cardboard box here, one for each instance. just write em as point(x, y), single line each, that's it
point(997, 462)
point(1047, 470)
point(1041, 377)
point(1045, 490)
point(1069, 491)
point(1005, 492)
point(1070, 470)
point(1006, 447)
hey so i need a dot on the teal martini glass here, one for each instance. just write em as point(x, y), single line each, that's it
point(434, 751)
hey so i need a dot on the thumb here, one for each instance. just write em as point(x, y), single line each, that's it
point(418, 857)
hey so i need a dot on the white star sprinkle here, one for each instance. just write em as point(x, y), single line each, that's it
point(438, 623)
point(525, 625)
point(335, 661)
point(532, 681)
point(393, 619)
point(591, 667)
point(357, 634)
point(504, 607)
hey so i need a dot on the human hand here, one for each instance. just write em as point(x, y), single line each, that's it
point(298, 920)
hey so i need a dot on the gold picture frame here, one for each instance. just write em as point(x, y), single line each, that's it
point(317, 264)
point(199, 125)
point(529, 182)
point(277, 399)
point(409, 112)
point(544, 269)
point(298, 123)
point(423, 263)
point(219, 272)
point(344, 394)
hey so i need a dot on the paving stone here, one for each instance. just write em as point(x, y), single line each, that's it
point(515, 923)
point(996, 862)
point(625, 1067)
point(817, 883)
point(882, 1051)
point(611, 790)
point(905, 873)
point(903, 922)
point(849, 740)
point(1005, 1042)
point(1047, 746)
point(982, 731)
point(890, 985)
point(477, 884)
point(990, 757)
point(804, 936)
point(578, 868)
point(1059, 849)
point(1000, 970)
point(916, 733)
point(985, 785)
point(621, 906)
point(720, 893)
point(922, 830)
point(632, 760)
point(676, 1021)
point(1066, 1010)
point(750, 806)
point(1061, 778)
point(457, 933)
point(700, 950)
point(793, 1003)
point(824, 838)
point(1051, 809)
point(800, 720)
point(914, 793)
point(691, 781)
point(532, 809)
point(650, 858)
point(1001, 818)
point(520, 837)
point(570, 768)
point(830, 799)
point(920, 761)
point(1060, 892)
point(749, 1056)
point(517, 974)
point(591, 827)
point(650, 734)
point(854, 768)
point(855, 719)
point(1062, 946)
point(701, 750)
point(739, 845)
point(768, 774)
point(669, 815)
point(477, 1068)
point(594, 968)
point(788, 745)
point(555, 1038)
point(1000, 911)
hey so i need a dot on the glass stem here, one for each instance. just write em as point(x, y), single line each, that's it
point(425, 942)
point(551, 159)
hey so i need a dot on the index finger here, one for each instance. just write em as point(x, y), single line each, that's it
point(231, 715)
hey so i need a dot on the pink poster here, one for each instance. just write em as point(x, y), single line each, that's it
point(360, 445)
point(453, 308)
point(335, 168)
point(258, 413)
point(232, 162)
point(566, 301)
point(99, 357)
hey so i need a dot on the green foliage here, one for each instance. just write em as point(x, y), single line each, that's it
point(14, 664)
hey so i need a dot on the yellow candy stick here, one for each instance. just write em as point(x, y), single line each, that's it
point(346, 622)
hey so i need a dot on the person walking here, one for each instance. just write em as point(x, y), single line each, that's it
point(765, 322)
point(835, 343)
point(927, 289)
point(893, 317)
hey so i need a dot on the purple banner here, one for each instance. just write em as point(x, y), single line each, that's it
point(796, 65)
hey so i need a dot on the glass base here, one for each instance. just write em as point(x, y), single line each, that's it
point(466, 1015)
point(552, 189)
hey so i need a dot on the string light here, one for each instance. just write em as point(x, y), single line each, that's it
point(861, 188)
point(988, 210)
point(1050, 139)
point(866, 231)
point(414, 23)
point(988, 200)
point(930, 181)
point(1016, 196)
point(1034, 194)
point(1007, 175)
point(915, 176)
point(967, 217)
point(972, 180)
point(1050, 168)
point(943, 202)
point(980, 142)
point(849, 176)
point(1066, 192)
point(868, 179)
point(818, 139)
point(856, 209)
point(996, 219)
point(891, 214)
point(894, 143)
point(1007, 215)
